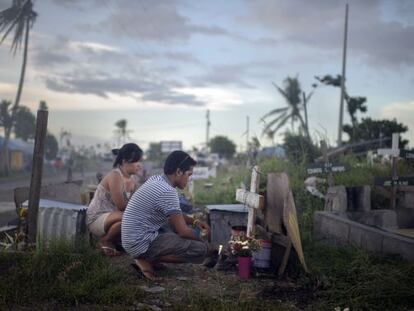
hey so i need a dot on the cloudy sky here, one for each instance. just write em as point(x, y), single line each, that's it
point(162, 64)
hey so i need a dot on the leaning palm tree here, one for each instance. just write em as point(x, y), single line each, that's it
point(292, 92)
point(17, 19)
point(121, 131)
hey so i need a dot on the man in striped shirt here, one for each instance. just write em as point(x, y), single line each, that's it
point(155, 204)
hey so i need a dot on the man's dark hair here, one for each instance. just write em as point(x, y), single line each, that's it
point(178, 159)
point(129, 153)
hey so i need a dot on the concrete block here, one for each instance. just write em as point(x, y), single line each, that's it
point(358, 199)
point(406, 198)
point(405, 217)
point(394, 244)
point(331, 226)
point(336, 199)
point(355, 236)
point(371, 240)
point(380, 218)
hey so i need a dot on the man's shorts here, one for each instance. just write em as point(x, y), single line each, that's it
point(97, 228)
point(171, 244)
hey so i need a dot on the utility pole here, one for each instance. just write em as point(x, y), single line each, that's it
point(247, 134)
point(341, 103)
point(208, 129)
point(305, 103)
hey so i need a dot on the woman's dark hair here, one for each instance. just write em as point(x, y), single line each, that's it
point(178, 159)
point(129, 153)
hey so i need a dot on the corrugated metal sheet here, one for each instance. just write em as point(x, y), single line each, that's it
point(222, 218)
point(59, 221)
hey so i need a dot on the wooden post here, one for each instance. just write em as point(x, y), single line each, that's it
point(37, 169)
point(395, 153)
point(324, 148)
point(395, 143)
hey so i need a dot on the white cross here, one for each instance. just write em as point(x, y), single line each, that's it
point(252, 200)
point(394, 151)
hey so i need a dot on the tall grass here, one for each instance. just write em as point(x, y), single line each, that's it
point(62, 277)
point(350, 277)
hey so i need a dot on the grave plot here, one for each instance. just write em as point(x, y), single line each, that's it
point(275, 221)
point(348, 216)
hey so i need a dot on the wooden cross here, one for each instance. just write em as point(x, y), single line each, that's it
point(326, 167)
point(395, 181)
point(252, 200)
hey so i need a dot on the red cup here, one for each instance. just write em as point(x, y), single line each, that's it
point(245, 264)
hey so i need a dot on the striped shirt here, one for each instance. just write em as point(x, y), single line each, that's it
point(147, 211)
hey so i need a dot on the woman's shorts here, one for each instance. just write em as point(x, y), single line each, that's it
point(97, 228)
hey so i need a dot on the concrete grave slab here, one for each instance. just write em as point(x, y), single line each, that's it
point(380, 218)
point(331, 227)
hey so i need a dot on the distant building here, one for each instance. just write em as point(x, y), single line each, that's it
point(20, 154)
point(268, 152)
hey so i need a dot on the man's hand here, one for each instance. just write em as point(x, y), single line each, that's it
point(203, 226)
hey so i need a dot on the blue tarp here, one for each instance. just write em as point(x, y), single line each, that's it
point(18, 145)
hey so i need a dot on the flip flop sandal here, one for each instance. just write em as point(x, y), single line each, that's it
point(145, 274)
point(158, 266)
point(109, 251)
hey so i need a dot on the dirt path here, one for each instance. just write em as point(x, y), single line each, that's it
point(187, 284)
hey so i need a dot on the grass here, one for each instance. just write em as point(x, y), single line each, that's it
point(350, 277)
point(62, 277)
point(199, 303)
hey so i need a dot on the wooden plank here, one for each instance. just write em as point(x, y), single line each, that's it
point(281, 239)
point(263, 233)
point(277, 189)
point(391, 152)
point(404, 181)
point(250, 199)
point(285, 259)
point(36, 178)
point(281, 250)
point(290, 221)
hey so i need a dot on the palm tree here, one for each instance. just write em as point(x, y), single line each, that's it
point(292, 92)
point(121, 131)
point(18, 18)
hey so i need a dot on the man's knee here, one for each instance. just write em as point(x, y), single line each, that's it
point(196, 252)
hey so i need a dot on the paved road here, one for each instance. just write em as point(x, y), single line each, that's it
point(7, 186)
point(7, 207)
